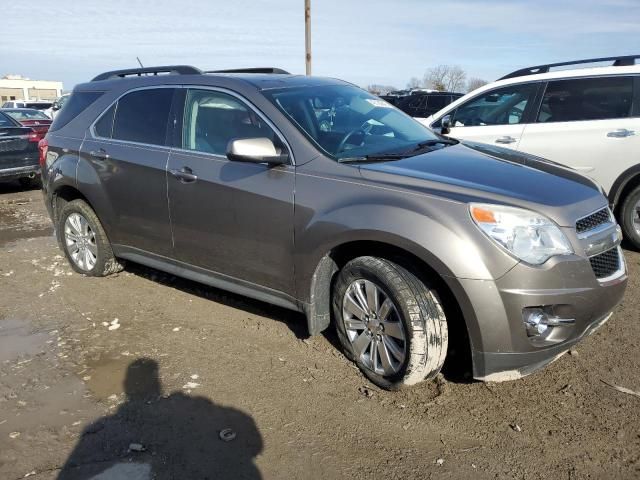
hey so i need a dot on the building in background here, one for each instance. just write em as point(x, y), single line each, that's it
point(17, 87)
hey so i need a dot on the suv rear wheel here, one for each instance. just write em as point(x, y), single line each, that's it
point(389, 323)
point(630, 217)
point(84, 241)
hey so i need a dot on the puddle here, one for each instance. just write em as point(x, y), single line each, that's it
point(16, 340)
point(107, 376)
point(18, 222)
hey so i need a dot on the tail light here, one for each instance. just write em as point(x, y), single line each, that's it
point(43, 147)
point(34, 136)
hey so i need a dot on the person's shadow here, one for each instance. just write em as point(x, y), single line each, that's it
point(152, 436)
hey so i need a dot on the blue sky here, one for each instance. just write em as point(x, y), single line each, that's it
point(372, 41)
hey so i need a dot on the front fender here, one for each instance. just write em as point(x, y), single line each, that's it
point(438, 231)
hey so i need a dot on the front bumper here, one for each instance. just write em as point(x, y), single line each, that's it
point(501, 348)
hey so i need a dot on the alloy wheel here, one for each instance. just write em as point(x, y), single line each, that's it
point(80, 241)
point(374, 328)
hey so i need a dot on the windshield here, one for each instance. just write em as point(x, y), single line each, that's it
point(28, 115)
point(347, 122)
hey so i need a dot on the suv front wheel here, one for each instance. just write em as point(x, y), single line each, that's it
point(389, 323)
point(84, 241)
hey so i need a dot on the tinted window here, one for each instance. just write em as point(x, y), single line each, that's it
point(142, 116)
point(436, 102)
point(78, 103)
point(587, 99)
point(103, 127)
point(504, 106)
point(212, 119)
point(39, 105)
point(6, 121)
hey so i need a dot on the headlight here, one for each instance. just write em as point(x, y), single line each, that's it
point(527, 235)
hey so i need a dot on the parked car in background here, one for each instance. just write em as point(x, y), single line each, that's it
point(57, 105)
point(407, 239)
point(422, 104)
point(18, 152)
point(586, 118)
point(34, 104)
point(27, 117)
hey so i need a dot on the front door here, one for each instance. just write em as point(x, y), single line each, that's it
point(496, 117)
point(229, 217)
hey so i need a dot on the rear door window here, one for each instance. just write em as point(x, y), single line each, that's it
point(504, 106)
point(587, 99)
point(142, 116)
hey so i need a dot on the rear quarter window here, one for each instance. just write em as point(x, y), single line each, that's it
point(78, 103)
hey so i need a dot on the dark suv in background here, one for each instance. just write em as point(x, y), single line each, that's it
point(421, 104)
point(407, 240)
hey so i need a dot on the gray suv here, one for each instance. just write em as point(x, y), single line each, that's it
point(409, 242)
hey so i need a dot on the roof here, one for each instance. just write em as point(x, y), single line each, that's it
point(262, 78)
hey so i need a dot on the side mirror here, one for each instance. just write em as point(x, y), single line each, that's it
point(445, 123)
point(255, 150)
point(55, 106)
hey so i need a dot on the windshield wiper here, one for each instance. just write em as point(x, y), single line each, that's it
point(435, 141)
point(381, 157)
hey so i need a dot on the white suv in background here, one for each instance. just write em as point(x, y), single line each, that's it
point(586, 118)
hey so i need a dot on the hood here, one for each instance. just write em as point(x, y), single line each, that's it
point(477, 172)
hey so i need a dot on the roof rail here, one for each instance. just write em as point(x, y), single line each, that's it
point(623, 61)
point(273, 70)
point(129, 72)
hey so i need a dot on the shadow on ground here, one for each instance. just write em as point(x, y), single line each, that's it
point(156, 435)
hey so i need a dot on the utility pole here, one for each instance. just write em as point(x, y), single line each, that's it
point(307, 35)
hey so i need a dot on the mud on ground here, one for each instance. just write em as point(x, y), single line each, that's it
point(135, 376)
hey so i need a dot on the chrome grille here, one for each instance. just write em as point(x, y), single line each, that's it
point(606, 263)
point(594, 220)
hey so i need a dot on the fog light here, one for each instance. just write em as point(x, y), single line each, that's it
point(535, 321)
point(540, 323)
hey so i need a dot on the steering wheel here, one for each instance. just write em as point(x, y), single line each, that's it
point(347, 137)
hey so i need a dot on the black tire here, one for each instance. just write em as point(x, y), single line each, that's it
point(105, 262)
point(31, 182)
point(628, 214)
point(418, 309)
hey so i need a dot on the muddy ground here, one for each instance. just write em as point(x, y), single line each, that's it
point(134, 376)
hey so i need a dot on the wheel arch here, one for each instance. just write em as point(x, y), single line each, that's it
point(457, 306)
point(624, 184)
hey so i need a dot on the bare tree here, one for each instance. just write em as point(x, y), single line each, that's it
point(475, 83)
point(414, 83)
point(450, 78)
point(380, 89)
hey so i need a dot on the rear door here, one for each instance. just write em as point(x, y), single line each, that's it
point(496, 117)
point(18, 145)
point(127, 149)
point(232, 218)
point(589, 124)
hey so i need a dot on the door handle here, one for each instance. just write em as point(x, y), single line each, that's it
point(621, 133)
point(185, 175)
point(100, 154)
point(506, 139)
